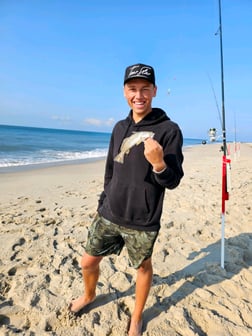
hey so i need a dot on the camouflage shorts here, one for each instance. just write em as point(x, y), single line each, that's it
point(105, 238)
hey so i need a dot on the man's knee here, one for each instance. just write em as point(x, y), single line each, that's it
point(146, 266)
point(89, 262)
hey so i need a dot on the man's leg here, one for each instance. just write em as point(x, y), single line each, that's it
point(143, 285)
point(90, 273)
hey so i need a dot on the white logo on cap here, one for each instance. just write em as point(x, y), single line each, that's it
point(144, 71)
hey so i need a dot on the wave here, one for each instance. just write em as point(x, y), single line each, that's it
point(51, 156)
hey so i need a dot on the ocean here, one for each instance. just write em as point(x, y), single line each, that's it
point(30, 147)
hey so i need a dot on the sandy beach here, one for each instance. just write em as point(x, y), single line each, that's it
point(45, 214)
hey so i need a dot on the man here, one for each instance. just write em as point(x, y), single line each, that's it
point(144, 158)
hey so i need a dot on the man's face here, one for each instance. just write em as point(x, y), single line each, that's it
point(139, 93)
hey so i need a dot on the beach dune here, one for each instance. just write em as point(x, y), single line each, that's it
point(45, 215)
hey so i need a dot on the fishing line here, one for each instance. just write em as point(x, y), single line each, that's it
point(215, 98)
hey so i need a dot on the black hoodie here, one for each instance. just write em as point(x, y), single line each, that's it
point(133, 194)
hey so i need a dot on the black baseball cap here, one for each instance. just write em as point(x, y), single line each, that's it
point(139, 71)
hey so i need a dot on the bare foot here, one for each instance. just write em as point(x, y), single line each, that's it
point(135, 328)
point(78, 304)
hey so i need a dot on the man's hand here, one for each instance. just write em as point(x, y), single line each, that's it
point(154, 153)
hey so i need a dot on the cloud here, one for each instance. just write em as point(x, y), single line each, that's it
point(99, 122)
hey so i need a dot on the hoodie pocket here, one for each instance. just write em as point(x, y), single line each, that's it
point(129, 202)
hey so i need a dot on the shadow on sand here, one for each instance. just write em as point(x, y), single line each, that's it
point(200, 273)
point(204, 272)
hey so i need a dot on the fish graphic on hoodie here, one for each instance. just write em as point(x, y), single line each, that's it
point(135, 139)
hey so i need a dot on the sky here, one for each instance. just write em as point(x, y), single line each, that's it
point(62, 62)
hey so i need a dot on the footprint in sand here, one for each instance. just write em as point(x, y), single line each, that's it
point(16, 247)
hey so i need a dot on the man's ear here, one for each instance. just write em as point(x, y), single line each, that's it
point(155, 91)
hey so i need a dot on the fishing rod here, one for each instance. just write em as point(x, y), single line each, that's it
point(222, 85)
point(225, 160)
